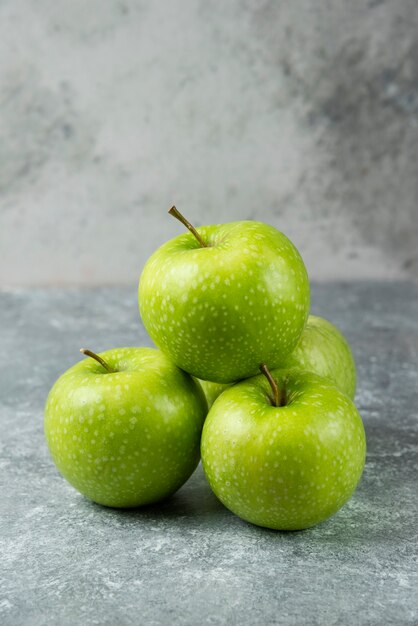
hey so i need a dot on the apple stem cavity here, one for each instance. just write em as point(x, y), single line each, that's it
point(99, 359)
point(279, 395)
point(175, 213)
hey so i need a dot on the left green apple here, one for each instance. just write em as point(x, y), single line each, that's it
point(124, 426)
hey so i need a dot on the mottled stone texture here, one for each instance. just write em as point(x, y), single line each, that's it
point(302, 114)
point(189, 561)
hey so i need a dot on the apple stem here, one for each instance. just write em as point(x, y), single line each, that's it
point(279, 395)
point(99, 359)
point(175, 213)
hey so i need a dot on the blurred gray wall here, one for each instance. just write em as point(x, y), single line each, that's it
point(303, 114)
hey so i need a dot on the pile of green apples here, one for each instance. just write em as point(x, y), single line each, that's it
point(243, 378)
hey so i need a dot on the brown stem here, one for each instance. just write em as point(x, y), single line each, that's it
point(99, 359)
point(279, 395)
point(175, 213)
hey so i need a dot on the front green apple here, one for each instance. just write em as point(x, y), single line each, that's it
point(222, 308)
point(322, 349)
point(129, 436)
point(286, 467)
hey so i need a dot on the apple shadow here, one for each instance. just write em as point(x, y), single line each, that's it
point(370, 517)
point(193, 501)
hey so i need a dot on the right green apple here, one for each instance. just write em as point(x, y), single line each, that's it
point(285, 450)
point(323, 349)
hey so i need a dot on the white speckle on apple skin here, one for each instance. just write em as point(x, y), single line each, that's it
point(229, 315)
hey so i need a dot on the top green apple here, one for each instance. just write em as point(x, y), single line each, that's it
point(223, 300)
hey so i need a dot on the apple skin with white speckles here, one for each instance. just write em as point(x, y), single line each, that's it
point(322, 349)
point(130, 437)
point(221, 310)
point(288, 467)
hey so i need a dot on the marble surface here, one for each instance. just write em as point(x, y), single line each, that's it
point(189, 561)
point(301, 114)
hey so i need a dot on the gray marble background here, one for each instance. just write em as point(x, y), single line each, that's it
point(302, 114)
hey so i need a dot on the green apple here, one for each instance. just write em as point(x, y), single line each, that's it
point(225, 298)
point(124, 426)
point(322, 349)
point(285, 454)
point(212, 390)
